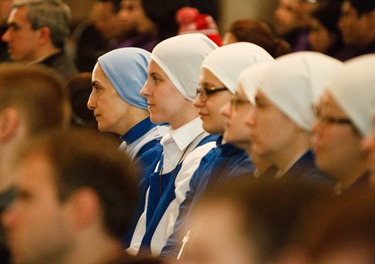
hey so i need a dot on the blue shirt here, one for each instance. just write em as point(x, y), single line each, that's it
point(221, 163)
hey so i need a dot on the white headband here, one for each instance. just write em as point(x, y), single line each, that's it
point(250, 78)
point(353, 87)
point(181, 57)
point(227, 62)
point(295, 82)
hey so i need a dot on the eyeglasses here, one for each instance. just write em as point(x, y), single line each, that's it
point(236, 101)
point(326, 119)
point(204, 92)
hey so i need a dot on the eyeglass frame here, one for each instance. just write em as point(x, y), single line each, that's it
point(331, 120)
point(235, 101)
point(204, 92)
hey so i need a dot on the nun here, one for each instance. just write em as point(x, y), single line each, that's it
point(118, 106)
point(173, 76)
point(282, 120)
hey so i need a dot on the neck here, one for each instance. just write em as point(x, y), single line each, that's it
point(180, 119)
point(101, 249)
point(133, 117)
point(350, 175)
point(45, 52)
point(284, 158)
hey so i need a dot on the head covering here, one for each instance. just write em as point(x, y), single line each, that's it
point(250, 78)
point(181, 57)
point(191, 21)
point(295, 82)
point(227, 62)
point(126, 69)
point(353, 87)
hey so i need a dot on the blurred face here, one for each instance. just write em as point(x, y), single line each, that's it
point(336, 145)
point(110, 110)
point(319, 37)
point(165, 102)
point(21, 39)
point(236, 130)
point(131, 14)
point(209, 109)
point(223, 242)
point(37, 224)
point(304, 10)
point(107, 22)
point(272, 132)
point(286, 16)
point(354, 28)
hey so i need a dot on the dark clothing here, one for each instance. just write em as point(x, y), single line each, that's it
point(90, 45)
point(305, 168)
point(145, 42)
point(62, 63)
point(351, 52)
point(298, 39)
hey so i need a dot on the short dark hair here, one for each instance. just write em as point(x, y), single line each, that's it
point(116, 5)
point(38, 93)
point(362, 6)
point(82, 158)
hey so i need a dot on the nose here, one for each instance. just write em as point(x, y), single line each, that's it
point(6, 36)
point(9, 217)
point(316, 126)
point(91, 102)
point(198, 102)
point(145, 91)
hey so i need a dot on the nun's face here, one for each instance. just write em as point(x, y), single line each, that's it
point(165, 102)
point(236, 130)
point(337, 147)
point(110, 110)
point(272, 132)
point(209, 109)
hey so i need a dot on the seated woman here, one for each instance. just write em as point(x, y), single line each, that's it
point(282, 120)
point(173, 77)
point(118, 106)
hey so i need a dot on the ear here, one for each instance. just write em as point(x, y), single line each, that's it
point(372, 17)
point(44, 35)
point(9, 124)
point(84, 206)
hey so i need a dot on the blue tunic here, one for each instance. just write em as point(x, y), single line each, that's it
point(305, 168)
point(221, 163)
point(161, 193)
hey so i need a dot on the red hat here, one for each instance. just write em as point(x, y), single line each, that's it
point(191, 21)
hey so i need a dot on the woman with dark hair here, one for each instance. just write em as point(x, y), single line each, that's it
point(259, 33)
